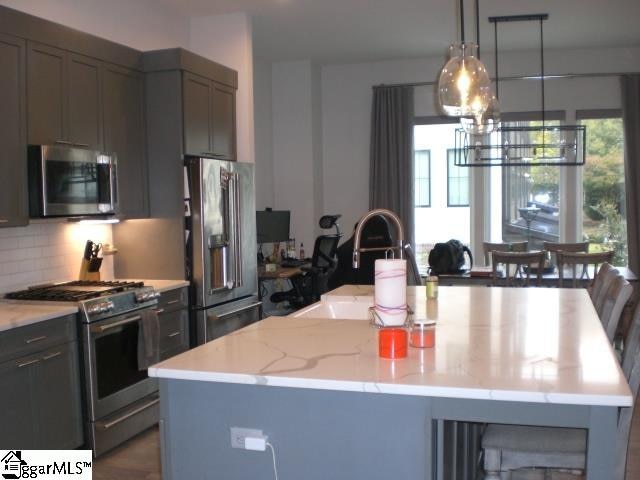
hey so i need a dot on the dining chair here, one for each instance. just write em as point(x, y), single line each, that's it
point(555, 247)
point(518, 268)
point(606, 274)
point(502, 247)
point(579, 263)
point(614, 302)
point(599, 279)
point(509, 448)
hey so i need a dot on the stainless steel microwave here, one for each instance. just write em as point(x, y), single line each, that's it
point(66, 181)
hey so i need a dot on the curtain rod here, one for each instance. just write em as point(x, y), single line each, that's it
point(524, 77)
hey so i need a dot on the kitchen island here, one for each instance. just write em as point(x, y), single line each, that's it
point(333, 409)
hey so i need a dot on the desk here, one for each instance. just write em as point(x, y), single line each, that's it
point(333, 409)
point(281, 272)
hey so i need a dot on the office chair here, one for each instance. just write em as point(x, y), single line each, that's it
point(312, 283)
point(376, 233)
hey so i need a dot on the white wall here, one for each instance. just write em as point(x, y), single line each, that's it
point(294, 149)
point(265, 196)
point(140, 24)
point(228, 39)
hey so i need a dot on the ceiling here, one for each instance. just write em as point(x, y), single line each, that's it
point(344, 31)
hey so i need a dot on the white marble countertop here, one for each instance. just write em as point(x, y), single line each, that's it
point(13, 315)
point(515, 344)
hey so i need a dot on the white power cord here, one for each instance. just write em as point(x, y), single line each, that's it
point(273, 455)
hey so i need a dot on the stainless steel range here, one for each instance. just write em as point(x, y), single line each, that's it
point(120, 400)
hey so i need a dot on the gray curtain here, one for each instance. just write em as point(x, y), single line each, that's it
point(391, 183)
point(630, 86)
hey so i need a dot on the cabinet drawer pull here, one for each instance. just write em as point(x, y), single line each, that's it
point(64, 142)
point(3, 220)
point(53, 355)
point(159, 310)
point(174, 334)
point(36, 339)
point(172, 302)
point(81, 144)
point(30, 362)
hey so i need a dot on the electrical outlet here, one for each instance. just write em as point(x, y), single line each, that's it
point(239, 434)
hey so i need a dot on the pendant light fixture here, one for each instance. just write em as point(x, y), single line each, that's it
point(534, 145)
point(489, 120)
point(464, 87)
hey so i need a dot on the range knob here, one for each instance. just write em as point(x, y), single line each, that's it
point(95, 308)
point(144, 296)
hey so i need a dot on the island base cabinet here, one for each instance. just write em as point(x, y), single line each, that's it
point(41, 400)
point(317, 434)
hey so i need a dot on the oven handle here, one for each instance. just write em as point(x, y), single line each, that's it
point(107, 425)
point(104, 328)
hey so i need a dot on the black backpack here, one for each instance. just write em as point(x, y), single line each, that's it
point(448, 257)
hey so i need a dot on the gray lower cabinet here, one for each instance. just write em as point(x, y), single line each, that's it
point(173, 316)
point(124, 134)
point(40, 406)
point(13, 181)
point(209, 117)
point(64, 91)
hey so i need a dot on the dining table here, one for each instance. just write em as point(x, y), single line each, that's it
point(331, 407)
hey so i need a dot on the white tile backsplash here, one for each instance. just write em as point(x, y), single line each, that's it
point(45, 252)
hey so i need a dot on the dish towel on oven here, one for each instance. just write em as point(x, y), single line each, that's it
point(148, 339)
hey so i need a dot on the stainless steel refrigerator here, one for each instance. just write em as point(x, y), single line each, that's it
point(221, 246)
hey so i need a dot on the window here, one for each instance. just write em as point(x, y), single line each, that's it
point(514, 189)
point(435, 219)
point(457, 182)
point(604, 222)
point(423, 178)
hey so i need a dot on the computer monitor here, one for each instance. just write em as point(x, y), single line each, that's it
point(272, 226)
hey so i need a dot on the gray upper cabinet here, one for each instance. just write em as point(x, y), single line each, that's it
point(124, 134)
point(85, 106)
point(209, 117)
point(198, 123)
point(46, 92)
point(64, 98)
point(224, 121)
point(13, 182)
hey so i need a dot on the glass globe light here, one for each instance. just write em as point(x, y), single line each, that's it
point(464, 88)
point(486, 122)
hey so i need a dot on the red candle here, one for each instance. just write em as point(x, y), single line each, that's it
point(392, 343)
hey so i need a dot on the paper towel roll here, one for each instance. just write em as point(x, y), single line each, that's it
point(390, 297)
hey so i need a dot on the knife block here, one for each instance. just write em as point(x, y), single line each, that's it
point(86, 274)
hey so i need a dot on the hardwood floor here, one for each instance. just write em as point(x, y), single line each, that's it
point(139, 458)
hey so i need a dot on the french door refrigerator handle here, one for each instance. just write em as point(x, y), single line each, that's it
point(237, 220)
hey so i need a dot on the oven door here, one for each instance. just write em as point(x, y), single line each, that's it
point(112, 377)
point(71, 181)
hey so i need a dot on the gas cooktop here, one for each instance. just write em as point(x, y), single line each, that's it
point(74, 291)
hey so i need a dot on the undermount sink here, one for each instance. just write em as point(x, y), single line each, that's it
point(346, 310)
